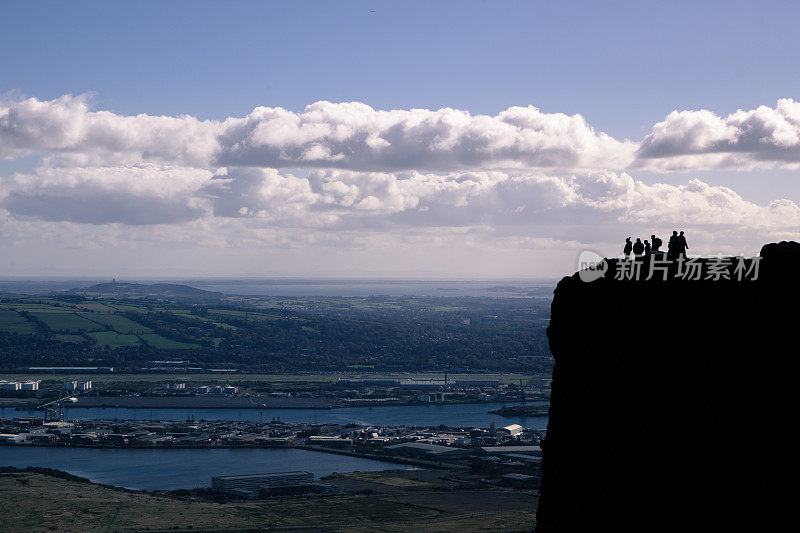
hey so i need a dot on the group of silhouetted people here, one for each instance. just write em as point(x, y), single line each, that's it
point(676, 247)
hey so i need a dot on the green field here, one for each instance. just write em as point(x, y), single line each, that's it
point(114, 339)
point(71, 338)
point(188, 314)
point(118, 323)
point(63, 321)
point(15, 323)
point(128, 307)
point(157, 341)
point(249, 315)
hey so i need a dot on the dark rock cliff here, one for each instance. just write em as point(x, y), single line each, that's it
point(673, 402)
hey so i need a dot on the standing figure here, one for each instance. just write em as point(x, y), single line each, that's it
point(682, 245)
point(628, 248)
point(638, 247)
point(656, 243)
point(646, 248)
point(672, 246)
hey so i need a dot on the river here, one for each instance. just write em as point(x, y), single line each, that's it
point(154, 469)
point(455, 414)
point(183, 468)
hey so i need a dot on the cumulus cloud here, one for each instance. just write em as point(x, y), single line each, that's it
point(744, 139)
point(373, 200)
point(66, 127)
point(355, 136)
point(332, 135)
point(347, 176)
point(335, 200)
point(136, 195)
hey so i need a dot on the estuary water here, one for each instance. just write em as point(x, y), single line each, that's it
point(170, 469)
point(181, 469)
point(456, 415)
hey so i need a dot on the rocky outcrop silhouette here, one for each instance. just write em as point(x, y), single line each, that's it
point(673, 402)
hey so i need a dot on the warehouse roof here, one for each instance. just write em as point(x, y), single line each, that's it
point(506, 450)
point(270, 474)
point(433, 450)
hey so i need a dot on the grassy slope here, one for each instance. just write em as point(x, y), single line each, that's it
point(114, 339)
point(12, 321)
point(38, 502)
point(66, 321)
point(118, 323)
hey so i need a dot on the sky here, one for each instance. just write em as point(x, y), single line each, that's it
point(399, 139)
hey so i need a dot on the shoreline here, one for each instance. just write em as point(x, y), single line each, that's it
point(306, 447)
point(189, 405)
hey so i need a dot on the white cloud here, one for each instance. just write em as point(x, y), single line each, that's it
point(745, 139)
point(357, 137)
point(336, 177)
point(354, 136)
point(342, 135)
point(135, 195)
point(66, 127)
point(372, 201)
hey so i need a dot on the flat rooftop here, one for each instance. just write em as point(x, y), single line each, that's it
point(269, 474)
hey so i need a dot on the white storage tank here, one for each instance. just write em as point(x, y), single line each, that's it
point(31, 385)
point(10, 385)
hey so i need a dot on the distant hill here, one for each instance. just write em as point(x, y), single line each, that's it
point(167, 291)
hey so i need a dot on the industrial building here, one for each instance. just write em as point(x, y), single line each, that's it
point(428, 451)
point(31, 385)
point(10, 385)
point(252, 486)
point(511, 450)
point(423, 384)
point(77, 385)
point(325, 440)
point(513, 430)
point(11, 438)
point(217, 389)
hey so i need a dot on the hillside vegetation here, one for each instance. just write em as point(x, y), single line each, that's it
point(269, 334)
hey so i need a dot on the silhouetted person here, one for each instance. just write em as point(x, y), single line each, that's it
point(672, 246)
point(656, 243)
point(646, 248)
point(628, 248)
point(638, 247)
point(682, 245)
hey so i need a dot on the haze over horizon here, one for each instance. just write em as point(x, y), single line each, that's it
point(482, 140)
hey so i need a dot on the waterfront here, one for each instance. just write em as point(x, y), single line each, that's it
point(180, 468)
point(455, 414)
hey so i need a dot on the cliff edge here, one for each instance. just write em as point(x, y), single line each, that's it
point(672, 400)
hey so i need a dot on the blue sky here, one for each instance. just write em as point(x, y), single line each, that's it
point(623, 66)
